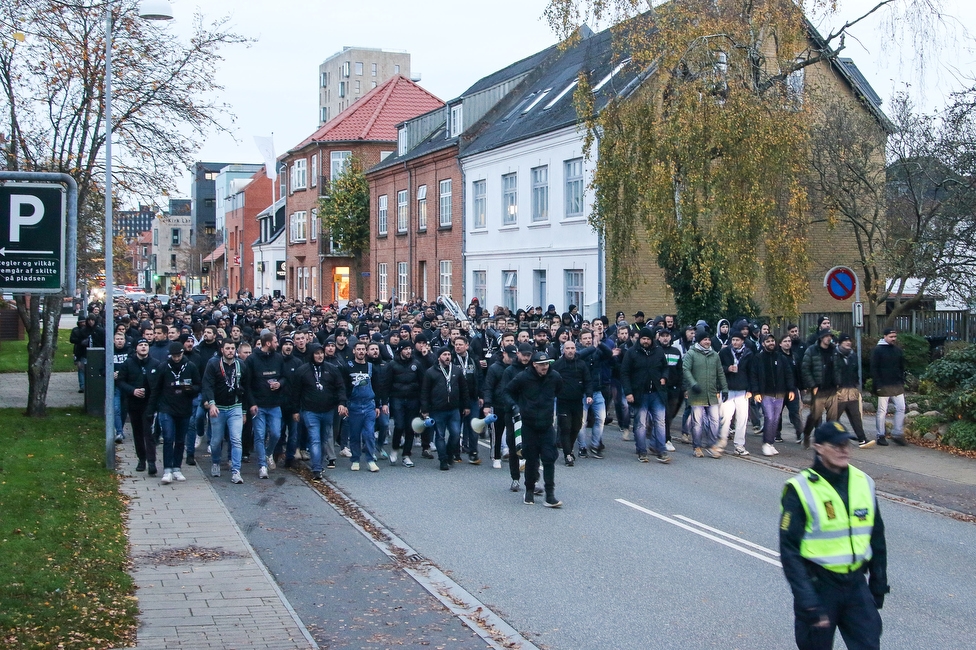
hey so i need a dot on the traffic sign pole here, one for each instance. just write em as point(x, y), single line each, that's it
point(841, 283)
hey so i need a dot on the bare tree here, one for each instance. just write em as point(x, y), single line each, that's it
point(52, 100)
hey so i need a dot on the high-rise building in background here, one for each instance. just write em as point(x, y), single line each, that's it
point(132, 223)
point(346, 76)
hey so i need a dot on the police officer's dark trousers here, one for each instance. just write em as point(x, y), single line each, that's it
point(539, 443)
point(849, 605)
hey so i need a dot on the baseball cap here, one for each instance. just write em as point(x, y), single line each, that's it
point(831, 433)
point(175, 348)
point(540, 357)
point(510, 349)
point(525, 348)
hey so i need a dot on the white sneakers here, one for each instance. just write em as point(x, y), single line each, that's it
point(373, 467)
point(345, 452)
point(739, 450)
point(215, 469)
point(263, 472)
point(178, 475)
point(271, 463)
point(496, 464)
point(393, 458)
point(628, 435)
point(354, 467)
point(669, 446)
point(235, 477)
point(769, 450)
point(407, 462)
point(167, 477)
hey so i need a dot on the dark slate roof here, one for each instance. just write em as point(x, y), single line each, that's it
point(518, 68)
point(436, 140)
point(523, 114)
point(860, 81)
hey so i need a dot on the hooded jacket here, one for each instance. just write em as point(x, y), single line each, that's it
point(887, 369)
point(724, 340)
point(704, 378)
point(174, 385)
point(534, 394)
point(643, 369)
point(136, 373)
point(740, 358)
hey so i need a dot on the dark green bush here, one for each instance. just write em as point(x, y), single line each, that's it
point(961, 434)
point(916, 350)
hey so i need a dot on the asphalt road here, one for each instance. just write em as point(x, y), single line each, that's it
point(629, 563)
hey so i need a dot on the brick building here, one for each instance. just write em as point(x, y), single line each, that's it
point(252, 196)
point(367, 130)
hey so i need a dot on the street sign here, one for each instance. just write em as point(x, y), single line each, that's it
point(858, 314)
point(840, 283)
point(32, 224)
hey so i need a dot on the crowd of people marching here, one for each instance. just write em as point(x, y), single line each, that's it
point(280, 380)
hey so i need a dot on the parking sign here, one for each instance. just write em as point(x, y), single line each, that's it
point(32, 224)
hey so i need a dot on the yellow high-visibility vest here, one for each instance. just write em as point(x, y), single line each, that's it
point(837, 538)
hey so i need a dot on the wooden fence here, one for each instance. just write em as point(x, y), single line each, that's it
point(939, 326)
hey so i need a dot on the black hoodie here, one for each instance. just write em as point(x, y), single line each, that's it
point(174, 385)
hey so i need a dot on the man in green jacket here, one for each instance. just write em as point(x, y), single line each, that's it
point(704, 385)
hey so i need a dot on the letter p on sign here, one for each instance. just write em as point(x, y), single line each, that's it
point(18, 220)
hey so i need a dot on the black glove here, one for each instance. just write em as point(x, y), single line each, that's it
point(810, 616)
point(879, 600)
point(696, 389)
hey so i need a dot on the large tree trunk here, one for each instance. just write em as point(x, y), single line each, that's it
point(41, 316)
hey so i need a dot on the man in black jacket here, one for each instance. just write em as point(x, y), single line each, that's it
point(792, 406)
point(643, 377)
point(444, 397)
point(577, 390)
point(497, 402)
point(888, 378)
point(466, 361)
point(174, 385)
point(771, 380)
point(735, 359)
point(533, 392)
point(268, 388)
point(817, 370)
point(404, 377)
point(848, 388)
point(133, 381)
point(290, 411)
point(226, 392)
point(86, 335)
point(322, 394)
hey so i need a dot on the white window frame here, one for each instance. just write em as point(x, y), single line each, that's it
point(479, 195)
point(299, 172)
point(314, 235)
point(795, 83)
point(540, 194)
point(372, 69)
point(339, 161)
point(510, 290)
point(403, 214)
point(444, 268)
point(359, 68)
point(422, 208)
point(574, 281)
point(402, 141)
point(479, 285)
point(510, 199)
point(457, 113)
point(382, 281)
point(382, 214)
point(315, 170)
point(403, 282)
point(575, 187)
point(297, 226)
point(444, 212)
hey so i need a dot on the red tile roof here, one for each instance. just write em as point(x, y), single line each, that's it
point(375, 115)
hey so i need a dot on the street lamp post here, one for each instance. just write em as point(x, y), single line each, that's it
point(149, 10)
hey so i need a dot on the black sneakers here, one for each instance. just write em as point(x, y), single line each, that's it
point(552, 502)
point(529, 498)
point(152, 468)
point(426, 454)
point(141, 466)
point(473, 459)
point(330, 464)
point(316, 477)
point(445, 466)
point(514, 487)
point(882, 441)
point(191, 461)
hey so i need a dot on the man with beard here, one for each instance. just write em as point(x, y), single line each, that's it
point(771, 379)
point(225, 392)
point(268, 387)
point(322, 395)
point(735, 359)
point(643, 376)
point(174, 385)
point(444, 397)
point(577, 390)
point(704, 382)
point(364, 407)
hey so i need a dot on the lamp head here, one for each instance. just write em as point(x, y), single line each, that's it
point(155, 10)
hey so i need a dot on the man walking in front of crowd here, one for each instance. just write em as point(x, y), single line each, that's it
point(362, 386)
point(817, 370)
point(831, 534)
point(174, 385)
point(577, 391)
point(533, 391)
point(133, 380)
point(643, 376)
point(322, 395)
point(444, 397)
point(735, 359)
point(888, 377)
point(704, 383)
point(771, 378)
point(226, 390)
point(404, 377)
point(267, 374)
point(848, 388)
point(464, 360)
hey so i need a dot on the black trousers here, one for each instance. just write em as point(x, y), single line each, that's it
point(142, 430)
point(793, 408)
point(850, 608)
point(513, 458)
point(675, 398)
point(819, 403)
point(502, 428)
point(569, 417)
point(539, 443)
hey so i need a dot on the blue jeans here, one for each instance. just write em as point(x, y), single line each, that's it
point(772, 408)
point(231, 421)
point(119, 413)
point(362, 426)
point(267, 422)
point(173, 429)
point(623, 409)
point(599, 407)
point(319, 427)
point(650, 405)
point(81, 363)
point(699, 416)
point(382, 428)
point(447, 433)
point(197, 421)
point(289, 428)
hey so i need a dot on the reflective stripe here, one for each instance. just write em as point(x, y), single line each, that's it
point(813, 513)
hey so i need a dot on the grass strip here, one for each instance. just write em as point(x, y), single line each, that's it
point(63, 542)
point(13, 355)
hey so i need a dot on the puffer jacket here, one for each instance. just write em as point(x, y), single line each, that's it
point(704, 377)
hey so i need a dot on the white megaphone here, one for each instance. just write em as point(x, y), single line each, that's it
point(478, 424)
point(418, 425)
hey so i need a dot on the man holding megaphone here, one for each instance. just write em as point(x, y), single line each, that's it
point(444, 397)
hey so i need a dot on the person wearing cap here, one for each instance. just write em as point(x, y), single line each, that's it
point(817, 370)
point(133, 381)
point(848, 396)
point(533, 392)
point(444, 398)
point(704, 383)
point(736, 358)
point(832, 547)
point(403, 379)
point(643, 378)
point(226, 391)
point(639, 323)
point(888, 379)
point(174, 385)
point(322, 395)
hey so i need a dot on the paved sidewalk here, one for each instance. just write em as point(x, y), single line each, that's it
point(62, 391)
point(199, 583)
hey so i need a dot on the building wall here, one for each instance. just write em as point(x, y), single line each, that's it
point(171, 260)
point(332, 72)
point(421, 249)
point(559, 244)
point(308, 276)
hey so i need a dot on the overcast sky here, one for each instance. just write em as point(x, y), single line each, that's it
point(273, 85)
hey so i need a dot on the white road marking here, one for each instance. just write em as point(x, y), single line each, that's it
point(728, 536)
point(702, 533)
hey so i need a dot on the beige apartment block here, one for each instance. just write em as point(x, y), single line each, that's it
point(349, 74)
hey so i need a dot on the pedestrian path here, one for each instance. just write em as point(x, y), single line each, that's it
point(199, 583)
point(62, 391)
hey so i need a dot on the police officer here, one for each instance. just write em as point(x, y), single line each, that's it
point(831, 535)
